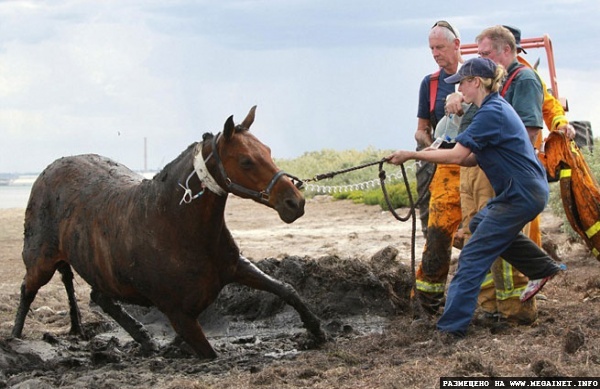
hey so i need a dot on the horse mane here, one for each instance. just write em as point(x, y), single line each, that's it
point(163, 175)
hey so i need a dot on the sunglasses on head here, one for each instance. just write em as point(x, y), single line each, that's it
point(445, 24)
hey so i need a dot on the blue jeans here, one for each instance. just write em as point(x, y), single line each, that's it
point(496, 231)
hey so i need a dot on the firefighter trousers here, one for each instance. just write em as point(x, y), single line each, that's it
point(424, 172)
point(444, 220)
point(496, 231)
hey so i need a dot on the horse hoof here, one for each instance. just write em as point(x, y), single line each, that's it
point(149, 348)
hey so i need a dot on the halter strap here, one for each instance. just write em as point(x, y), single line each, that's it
point(203, 173)
point(208, 181)
point(262, 196)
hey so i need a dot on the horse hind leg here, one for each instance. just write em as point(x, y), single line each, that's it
point(36, 276)
point(136, 329)
point(250, 275)
point(67, 279)
point(24, 305)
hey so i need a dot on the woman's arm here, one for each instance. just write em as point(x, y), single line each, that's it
point(459, 155)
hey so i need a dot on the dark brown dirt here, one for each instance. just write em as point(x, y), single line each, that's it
point(351, 263)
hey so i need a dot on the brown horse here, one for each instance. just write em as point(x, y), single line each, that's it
point(160, 242)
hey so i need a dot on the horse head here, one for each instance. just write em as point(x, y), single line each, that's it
point(247, 169)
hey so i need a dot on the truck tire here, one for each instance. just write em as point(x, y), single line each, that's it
point(584, 136)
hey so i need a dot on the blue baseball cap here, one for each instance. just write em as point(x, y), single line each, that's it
point(517, 34)
point(475, 67)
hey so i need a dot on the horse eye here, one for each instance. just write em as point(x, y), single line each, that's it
point(246, 163)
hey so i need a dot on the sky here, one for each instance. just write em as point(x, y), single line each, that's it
point(111, 76)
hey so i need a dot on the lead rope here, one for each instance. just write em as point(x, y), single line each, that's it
point(320, 177)
point(200, 170)
point(417, 308)
point(188, 195)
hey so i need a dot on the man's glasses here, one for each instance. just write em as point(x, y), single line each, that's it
point(445, 24)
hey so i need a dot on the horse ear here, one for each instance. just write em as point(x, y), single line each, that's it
point(249, 119)
point(229, 128)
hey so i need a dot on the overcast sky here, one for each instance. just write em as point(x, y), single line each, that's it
point(101, 76)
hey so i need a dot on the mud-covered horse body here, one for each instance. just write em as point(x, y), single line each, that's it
point(160, 242)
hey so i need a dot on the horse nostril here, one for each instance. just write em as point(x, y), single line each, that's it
point(291, 204)
point(296, 205)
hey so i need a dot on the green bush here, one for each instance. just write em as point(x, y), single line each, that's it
point(397, 194)
point(356, 196)
point(373, 196)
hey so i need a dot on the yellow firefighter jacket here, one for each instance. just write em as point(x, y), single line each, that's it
point(578, 187)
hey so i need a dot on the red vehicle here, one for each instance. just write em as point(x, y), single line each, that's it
point(584, 128)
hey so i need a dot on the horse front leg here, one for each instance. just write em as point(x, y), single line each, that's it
point(136, 329)
point(191, 332)
point(250, 275)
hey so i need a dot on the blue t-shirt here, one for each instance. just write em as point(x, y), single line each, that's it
point(501, 144)
point(443, 90)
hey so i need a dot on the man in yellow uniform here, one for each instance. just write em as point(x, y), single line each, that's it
point(444, 212)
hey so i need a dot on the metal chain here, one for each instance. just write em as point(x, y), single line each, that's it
point(365, 185)
point(343, 188)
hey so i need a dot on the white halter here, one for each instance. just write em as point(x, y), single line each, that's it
point(204, 175)
point(261, 196)
point(205, 178)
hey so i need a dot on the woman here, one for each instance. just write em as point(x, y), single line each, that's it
point(498, 142)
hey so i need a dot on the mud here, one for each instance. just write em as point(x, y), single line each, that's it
point(247, 327)
point(352, 265)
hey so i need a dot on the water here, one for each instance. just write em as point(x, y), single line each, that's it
point(14, 196)
point(17, 193)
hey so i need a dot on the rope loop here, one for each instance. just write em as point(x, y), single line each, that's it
point(382, 177)
point(188, 195)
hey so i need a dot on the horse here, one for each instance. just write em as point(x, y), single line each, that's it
point(160, 242)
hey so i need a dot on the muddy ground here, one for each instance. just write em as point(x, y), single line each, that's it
point(352, 265)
